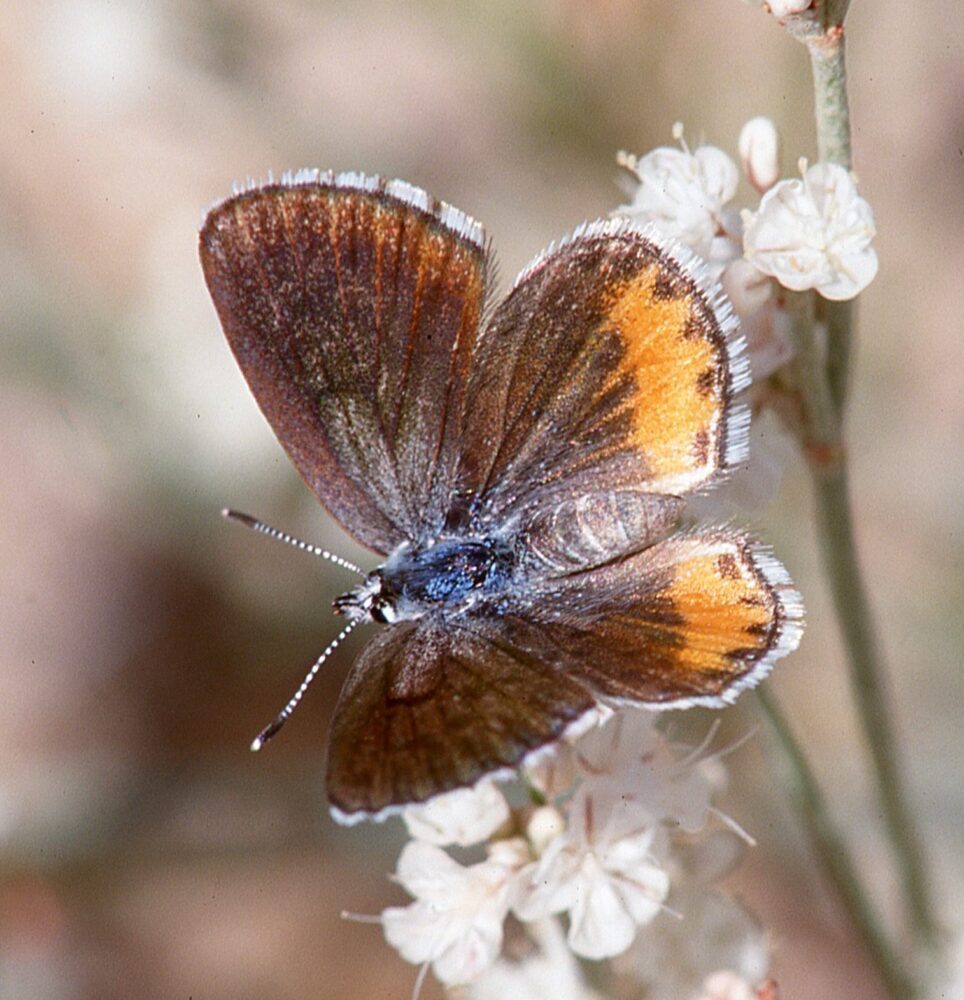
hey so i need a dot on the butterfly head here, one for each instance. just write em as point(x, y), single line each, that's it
point(372, 600)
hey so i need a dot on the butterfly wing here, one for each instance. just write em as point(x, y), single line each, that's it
point(692, 620)
point(434, 705)
point(611, 365)
point(352, 306)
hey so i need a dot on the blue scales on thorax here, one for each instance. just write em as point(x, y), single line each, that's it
point(449, 575)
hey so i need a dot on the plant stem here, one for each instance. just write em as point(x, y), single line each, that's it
point(835, 523)
point(839, 320)
point(831, 108)
point(823, 385)
point(833, 854)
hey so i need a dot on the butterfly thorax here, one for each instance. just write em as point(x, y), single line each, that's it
point(450, 574)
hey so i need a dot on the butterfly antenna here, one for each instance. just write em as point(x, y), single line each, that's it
point(282, 717)
point(252, 522)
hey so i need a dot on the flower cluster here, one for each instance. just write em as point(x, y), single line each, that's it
point(813, 232)
point(584, 869)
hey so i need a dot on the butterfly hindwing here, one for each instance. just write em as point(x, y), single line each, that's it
point(431, 706)
point(352, 306)
point(694, 619)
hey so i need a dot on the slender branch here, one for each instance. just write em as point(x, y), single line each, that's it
point(831, 108)
point(835, 524)
point(823, 385)
point(822, 377)
point(838, 865)
point(838, 318)
point(828, 63)
point(825, 452)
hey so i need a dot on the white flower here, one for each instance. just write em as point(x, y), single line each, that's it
point(552, 971)
point(814, 233)
point(552, 769)
point(682, 193)
point(759, 146)
point(601, 871)
point(456, 920)
point(631, 758)
point(466, 816)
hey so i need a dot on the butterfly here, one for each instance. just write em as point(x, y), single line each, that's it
point(519, 466)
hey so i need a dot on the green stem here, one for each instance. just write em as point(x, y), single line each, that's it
point(831, 108)
point(833, 854)
point(823, 385)
point(838, 548)
point(828, 63)
point(839, 320)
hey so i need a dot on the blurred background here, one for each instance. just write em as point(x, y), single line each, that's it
point(144, 852)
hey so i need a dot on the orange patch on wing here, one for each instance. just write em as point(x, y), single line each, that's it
point(677, 409)
point(727, 611)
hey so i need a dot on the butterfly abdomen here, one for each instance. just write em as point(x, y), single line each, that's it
point(594, 528)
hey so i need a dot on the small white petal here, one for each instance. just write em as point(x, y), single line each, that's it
point(552, 770)
point(618, 744)
point(470, 954)
point(600, 925)
point(718, 174)
point(427, 872)
point(510, 852)
point(414, 931)
point(549, 885)
point(643, 891)
point(550, 972)
point(466, 816)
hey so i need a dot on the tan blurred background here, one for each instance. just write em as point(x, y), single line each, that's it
point(143, 641)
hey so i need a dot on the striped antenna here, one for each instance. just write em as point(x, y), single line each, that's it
point(282, 536)
point(282, 717)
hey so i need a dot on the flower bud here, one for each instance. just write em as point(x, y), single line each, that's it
point(545, 825)
point(785, 8)
point(759, 147)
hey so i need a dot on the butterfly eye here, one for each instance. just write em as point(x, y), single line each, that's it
point(383, 610)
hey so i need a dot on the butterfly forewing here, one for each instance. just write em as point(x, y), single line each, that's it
point(353, 313)
point(610, 365)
